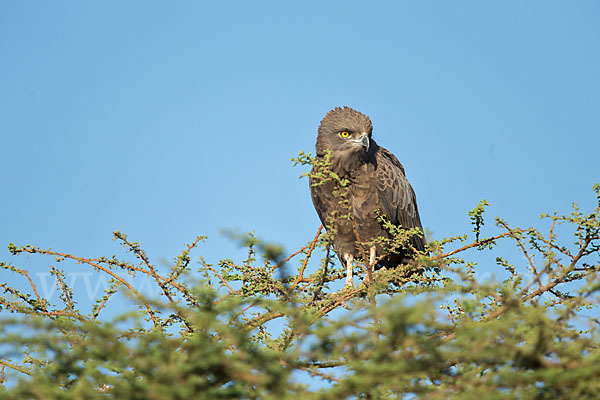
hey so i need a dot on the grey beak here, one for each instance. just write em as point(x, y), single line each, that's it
point(364, 141)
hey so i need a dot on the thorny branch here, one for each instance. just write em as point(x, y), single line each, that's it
point(310, 294)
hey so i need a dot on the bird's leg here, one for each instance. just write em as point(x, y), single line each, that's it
point(348, 258)
point(371, 266)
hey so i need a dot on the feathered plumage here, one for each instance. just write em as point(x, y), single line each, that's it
point(377, 183)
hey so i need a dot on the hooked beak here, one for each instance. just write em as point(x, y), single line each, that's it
point(364, 141)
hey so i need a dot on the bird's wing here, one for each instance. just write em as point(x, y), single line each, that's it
point(397, 197)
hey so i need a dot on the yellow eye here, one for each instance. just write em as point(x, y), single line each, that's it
point(344, 134)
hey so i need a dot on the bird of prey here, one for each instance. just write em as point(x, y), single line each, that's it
point(375, 186)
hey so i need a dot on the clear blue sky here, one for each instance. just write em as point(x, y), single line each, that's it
point(170, 119)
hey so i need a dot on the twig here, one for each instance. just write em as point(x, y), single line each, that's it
point(322, 375)
point(15, 367)
point(101, 306)
point(274, 267)
point(39, 299)
point(223, 280)
point(63, 287)
point(101, 268)
point(540, 290)
point(308, 254)
point(477, 243)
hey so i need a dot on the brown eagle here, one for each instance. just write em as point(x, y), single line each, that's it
point(377, 186)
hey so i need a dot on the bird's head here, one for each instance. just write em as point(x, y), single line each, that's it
point(344, 130)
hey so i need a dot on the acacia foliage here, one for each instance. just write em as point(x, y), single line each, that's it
point(277, 325)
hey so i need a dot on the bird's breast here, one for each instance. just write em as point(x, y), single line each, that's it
point(363, 190)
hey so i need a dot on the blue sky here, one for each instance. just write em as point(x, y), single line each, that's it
point(166, 120)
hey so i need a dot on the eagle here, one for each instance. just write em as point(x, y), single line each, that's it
point(370, 188)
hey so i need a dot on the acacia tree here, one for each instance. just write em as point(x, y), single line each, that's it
point(280, 325)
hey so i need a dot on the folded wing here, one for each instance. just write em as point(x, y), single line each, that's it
point(396, 196)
